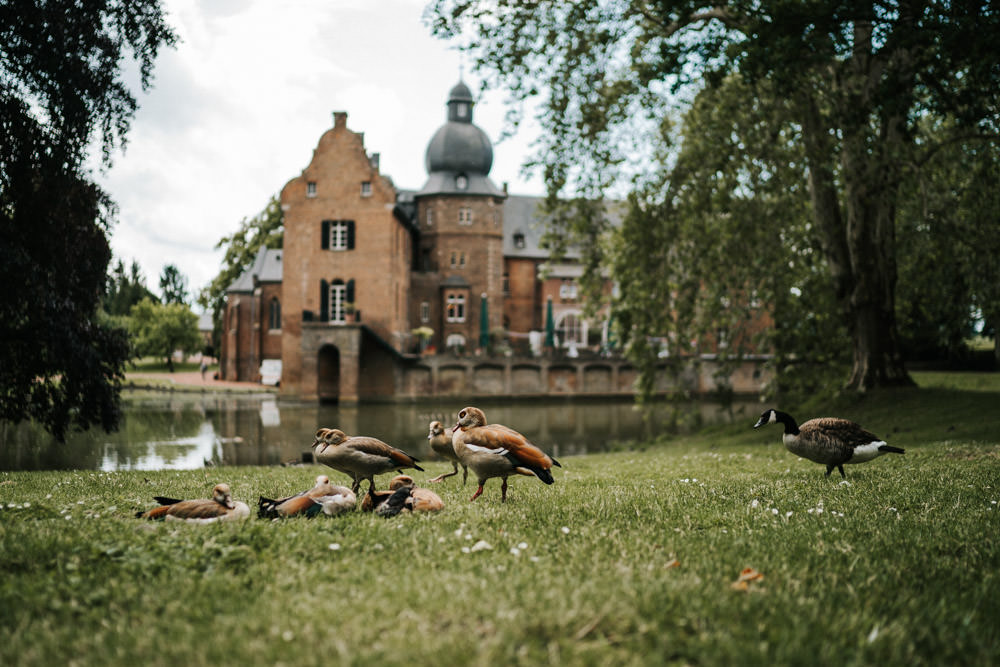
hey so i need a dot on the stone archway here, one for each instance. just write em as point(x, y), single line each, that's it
point(328, 374)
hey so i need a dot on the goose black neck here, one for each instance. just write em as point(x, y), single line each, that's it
point(791, 428)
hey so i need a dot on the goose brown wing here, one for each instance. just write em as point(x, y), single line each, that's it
point(518, 447)
point(197, 509)
point(845, 432)
point(375, 447)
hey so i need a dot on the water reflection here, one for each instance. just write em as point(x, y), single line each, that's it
point(186, 432)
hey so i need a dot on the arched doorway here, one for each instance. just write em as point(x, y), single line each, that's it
point(328, 374)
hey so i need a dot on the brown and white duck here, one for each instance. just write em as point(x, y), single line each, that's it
point(831, 441)
point(440, 441)
point(360, 457)
point(220, 507)
point(307, 503)
point(410, 497)
point(374, 499)
point(494, 450)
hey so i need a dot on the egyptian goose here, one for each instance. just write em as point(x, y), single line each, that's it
point(441, 444)
point(341, 500)
point(220, 507)
point(307, 503)
point(410, 497)
point(493, 450)
point(828, 440)
point(374, 499)
point(359, 456)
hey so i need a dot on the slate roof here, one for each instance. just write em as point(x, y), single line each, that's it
point(266, 268)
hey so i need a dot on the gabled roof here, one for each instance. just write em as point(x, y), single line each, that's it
point(266, 268)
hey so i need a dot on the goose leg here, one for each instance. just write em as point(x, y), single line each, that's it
point(841, 469)
point(478, 492)
point(454, 471)
point(503, 491)
point(465, 473)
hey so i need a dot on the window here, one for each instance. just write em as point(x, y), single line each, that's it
point(430, 217)
point(506, 284)
point(570, 329)
point(425, 312)
point(337, 235)
point(366, 188)
point(461, 260)
point(722, 338)
point(567, 290)
point(461, 182)
point(518, 240)
point(334, 299)
point(463, 110)
point(455, 308)
point(274, 315)
point(465, 216)
point(311, 189)
point(454, 259)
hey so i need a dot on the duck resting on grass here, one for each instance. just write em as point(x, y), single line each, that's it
point(409, 496)
point(220, 507)
point(828, 440)
point(374, 499)
point(360, 457)
point(494, 450)
point(322, 497)
point(440, 442)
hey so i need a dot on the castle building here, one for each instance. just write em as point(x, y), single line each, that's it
point(370, 274)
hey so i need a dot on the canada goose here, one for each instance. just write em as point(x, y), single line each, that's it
point(220, 507)
point(441, 443)
point(359, 456)
point(494, 450)
point(828, 440)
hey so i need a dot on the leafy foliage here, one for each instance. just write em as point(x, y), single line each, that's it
point(161, 329)
point(125, 289)
point(853, 79)
point(173, 285)
point(264, 230)
point(61, 86)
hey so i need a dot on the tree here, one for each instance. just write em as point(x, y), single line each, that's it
point(125, 289)
point(61, 88)
point(855, 77)
point(160, 329)
point(264, 230)
point(173, 285)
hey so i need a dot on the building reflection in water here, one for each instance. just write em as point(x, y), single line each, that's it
point(187, 432)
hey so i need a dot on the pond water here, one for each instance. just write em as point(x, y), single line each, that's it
point(187, 431)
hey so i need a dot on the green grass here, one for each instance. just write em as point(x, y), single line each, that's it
point(899, 567)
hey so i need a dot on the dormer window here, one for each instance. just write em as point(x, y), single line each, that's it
point(518, 240)
point(311, 189)
point(366, 188)
point(461, 182)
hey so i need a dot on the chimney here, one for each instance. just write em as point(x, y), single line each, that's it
point(340, 119)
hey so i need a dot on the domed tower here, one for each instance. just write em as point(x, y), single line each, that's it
point(460, 217)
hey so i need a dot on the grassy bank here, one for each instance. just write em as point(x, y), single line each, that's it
point(628, 559)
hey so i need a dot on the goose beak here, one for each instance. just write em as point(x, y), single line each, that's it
point(760, 422)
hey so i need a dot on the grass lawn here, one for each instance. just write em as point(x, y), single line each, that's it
point(630, 558)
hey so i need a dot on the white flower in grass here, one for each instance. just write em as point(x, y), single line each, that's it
point(466, 550)
point(844, 483)
point(334, 546)
point(481, 545)
point(565, 530)
point(774, 511)
point(288, 635)
point(522, 546)
point(754, 504)
point(534, 559)
point(788, 513)
point(514, 551)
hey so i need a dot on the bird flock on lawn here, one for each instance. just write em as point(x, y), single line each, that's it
point(489, 450)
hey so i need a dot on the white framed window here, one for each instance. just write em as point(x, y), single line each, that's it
point(454, 258)
point(366, 188)
point(570, 329)
point(567, 290)
point(311, 189)
point(465, 216)
point(461, 182)
point(455, 311)
point(425, 312)
point(462, 109)
point(430, 217)
point(338, 300)
point(338, 235)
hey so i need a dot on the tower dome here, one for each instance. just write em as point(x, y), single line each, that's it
point(459, 155)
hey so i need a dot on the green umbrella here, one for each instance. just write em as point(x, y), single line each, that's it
point(484, 322)
point(550, 325)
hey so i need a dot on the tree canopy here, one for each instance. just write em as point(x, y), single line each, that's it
point(160, 329)
point(62, 88)
point(842, 86)
point(173, 285)
point(125, 289)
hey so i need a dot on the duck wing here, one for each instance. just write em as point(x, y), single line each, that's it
point(375, 447)
point(507, 442)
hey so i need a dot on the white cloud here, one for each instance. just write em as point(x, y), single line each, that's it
point(237, 108)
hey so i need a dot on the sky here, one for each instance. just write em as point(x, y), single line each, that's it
point(236, 109)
